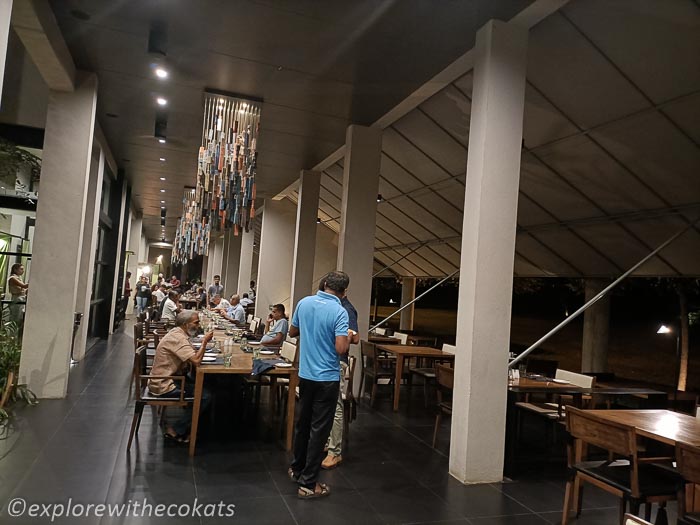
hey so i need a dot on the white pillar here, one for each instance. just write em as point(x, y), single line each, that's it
point(408, 294)
point(87, 254)
point(275, 261)
point(305, 236)
point(596, 329)
point(232, 260)
point(58, 239)
point(358, 219)
point(218, 258)
point(246, 265)
point(488, 247)
point(205, 271)
point(5, 15)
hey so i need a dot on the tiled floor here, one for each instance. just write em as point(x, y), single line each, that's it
point(76, 448)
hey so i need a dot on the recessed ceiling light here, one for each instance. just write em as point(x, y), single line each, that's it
point(162, 191)
point(162, 178)
point(161, 101)
point(161, 73)
point(162, 141)
point(162, 159)
point(162, 202)
point(162, 207)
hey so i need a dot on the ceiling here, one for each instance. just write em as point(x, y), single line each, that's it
point(319, 66)
point(610, 161)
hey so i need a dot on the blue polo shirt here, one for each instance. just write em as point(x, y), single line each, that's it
point(320, 319)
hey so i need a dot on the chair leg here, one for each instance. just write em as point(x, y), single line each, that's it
point(138, 410)
point(661, 516)
point(138, 423)
point(567, 502)
point(438, 418)
point(647, 510)
point(373, 394)
point(622, 510)
point(578, 496)
point(162, 415)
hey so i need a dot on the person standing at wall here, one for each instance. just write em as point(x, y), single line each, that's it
point(18, 292)
point(143, 295)
point(215, 289)
point(322, 323)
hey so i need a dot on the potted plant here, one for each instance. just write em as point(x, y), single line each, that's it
point(10, 351)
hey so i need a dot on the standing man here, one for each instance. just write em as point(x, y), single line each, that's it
point(322, 323)
point(335, 440)
point(215, 289)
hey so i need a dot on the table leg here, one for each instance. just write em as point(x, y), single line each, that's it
point(397, 381)
point(291, 405)
point(198, 385)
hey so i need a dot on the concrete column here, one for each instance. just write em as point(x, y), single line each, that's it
point(217, 261)
point(596, 329)
point(232, 260)
point(358, 219)
point(5, 15)
point(87, 254)
point(358, 216)
point(205, 271)
point(408, 294)
point(135, 234)
point(246, 265)
point(488, 247)
point(305, 236)
point(58, 239)
point(275, 261)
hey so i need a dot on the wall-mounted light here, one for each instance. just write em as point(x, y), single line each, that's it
point(161, 101)
point(380, 198)
point(318, 220)
point(161, 73)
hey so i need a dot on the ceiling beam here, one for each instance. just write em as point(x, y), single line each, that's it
point(36, 26)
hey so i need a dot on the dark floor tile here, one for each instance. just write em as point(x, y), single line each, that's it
point(382, 475)
point(588, 517)
point(409, 504)
point(336, 509)
point(538, 496)
point(477, 500)
point(243, 484)
point(263, 511)
point(521, 519)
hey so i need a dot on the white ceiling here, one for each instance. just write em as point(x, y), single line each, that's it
point(611, 157)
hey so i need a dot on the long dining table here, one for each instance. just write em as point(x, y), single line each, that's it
point(403, 352)
point(242, 364)
point(664, 426)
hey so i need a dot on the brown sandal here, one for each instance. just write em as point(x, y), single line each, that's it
point(321, 491)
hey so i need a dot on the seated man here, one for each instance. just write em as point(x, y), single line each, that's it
point(277, 327)
point(246, 301)
point(235, 312)
point(219, 305)
point(170, 307)
point(173, 351)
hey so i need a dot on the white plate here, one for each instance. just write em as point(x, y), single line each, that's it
point(283, 365)
point(560, 381)
point(253, 343)
point(267, 352)
point(208, 359)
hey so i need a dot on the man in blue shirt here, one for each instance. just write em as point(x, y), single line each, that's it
point(322, 323)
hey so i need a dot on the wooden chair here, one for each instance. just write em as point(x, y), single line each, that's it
point(428, 372)
point(349, 403)
point(380, 331)
point(445, 385)
point(249, 319)
point(144, 396)
point(403, 338)
point(688, 465)
point(291, 339)
point(374, 370)
point(632, 479)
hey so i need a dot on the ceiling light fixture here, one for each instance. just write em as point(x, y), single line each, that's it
point(380, 198)
point(162, 178)
point(162, 191)
point(161, 73)
point(318, 220)
point(161, 101)
point(162, 159)
point(162, 141)
point(162, 202)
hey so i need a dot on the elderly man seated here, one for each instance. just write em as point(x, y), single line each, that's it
point(235, 312)
point(219, 305)
point(172, 354)
point(277, 327)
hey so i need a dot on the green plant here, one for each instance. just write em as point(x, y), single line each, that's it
point(10, 352)
point(12, 158)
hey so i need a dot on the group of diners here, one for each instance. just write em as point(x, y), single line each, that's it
point(324, 323)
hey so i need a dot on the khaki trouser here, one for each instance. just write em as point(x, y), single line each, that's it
point(335, 440)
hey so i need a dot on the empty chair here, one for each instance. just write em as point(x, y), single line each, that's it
point(403, 338)
point(374, 370)
point(380, 331)
point(349, 403)
point(634, 520)
point(630, 479)
point(428, 372)
point(291, 339)
point(445, 384)
point(249, 319)
point(688, 464)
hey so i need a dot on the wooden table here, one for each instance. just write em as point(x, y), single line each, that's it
point(383, 339)
point(660, 425)
point(242, 364)
point(402, 352)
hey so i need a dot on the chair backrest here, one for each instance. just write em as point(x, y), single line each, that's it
point(450, 349)
point(369, 354)
point(445, 376)
point(291, 339)
point(140, 358)
point(608, 435)
point(138, 331)
point(697, 412)
point(257, 320)
point(631, 519)
point(403, 338)
point(254, 325)
point(688, 462)
point(288, 351)
point(249, 319)
point(380, 331)
point(575, 379)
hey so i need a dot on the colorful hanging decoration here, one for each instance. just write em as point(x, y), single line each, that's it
point(224, 196)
